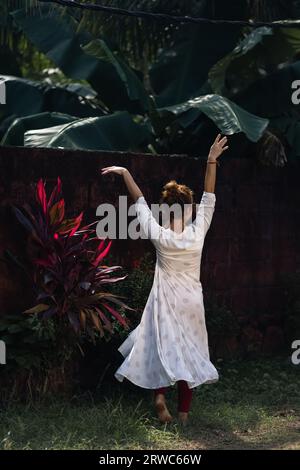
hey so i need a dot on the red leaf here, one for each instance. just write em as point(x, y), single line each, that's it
point(41, 195)
point(56, 193)
point(77, 223)
point(107, 323)
point(70, 226)
point(102, 254)
point(100, 246)
point(116, 315)
point(57, 212)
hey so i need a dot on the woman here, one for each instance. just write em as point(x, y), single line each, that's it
point(170, 343)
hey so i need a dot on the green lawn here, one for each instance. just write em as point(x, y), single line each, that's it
point(255, 405)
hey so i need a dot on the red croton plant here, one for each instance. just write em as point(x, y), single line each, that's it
point(69, 273)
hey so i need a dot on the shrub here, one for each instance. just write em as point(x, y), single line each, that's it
point(71, 282)
point(136, 287)
point(223, 328)
point(68, 273)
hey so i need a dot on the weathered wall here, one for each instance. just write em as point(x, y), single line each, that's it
point(254, 233)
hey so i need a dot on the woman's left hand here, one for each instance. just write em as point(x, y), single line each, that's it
point(217, 148)
point(119, 170)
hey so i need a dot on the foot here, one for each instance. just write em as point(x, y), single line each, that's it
point(162, 411)
point(183, 418)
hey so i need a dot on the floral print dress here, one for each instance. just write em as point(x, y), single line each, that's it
point(170, 343)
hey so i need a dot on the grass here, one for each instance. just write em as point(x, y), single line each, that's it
point(255, 405)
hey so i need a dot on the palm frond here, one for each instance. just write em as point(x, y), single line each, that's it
point(138, 38)
point(6, 22)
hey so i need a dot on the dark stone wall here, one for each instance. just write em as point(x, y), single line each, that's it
point(253, 238)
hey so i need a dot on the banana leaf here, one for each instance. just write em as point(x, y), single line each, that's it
point(258, 74)
point(82, 90)
point(117, 131)
point(260, 53)
point(59, 38)
point(15, 133)
point(271, 96)
point(182, 70)
point(134, 87)
point(26, 97)
point(23, 97)
point(227, 116)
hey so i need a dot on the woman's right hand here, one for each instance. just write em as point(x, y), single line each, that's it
point(118, 170)
point(132, 187)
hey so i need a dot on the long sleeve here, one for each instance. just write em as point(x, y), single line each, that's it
point(150, 227)
point(205, 211)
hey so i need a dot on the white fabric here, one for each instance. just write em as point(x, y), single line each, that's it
point(170, 342)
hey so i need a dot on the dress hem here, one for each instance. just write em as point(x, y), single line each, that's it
point(170, 384)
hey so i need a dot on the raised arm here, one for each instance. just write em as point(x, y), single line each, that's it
point(207, 204)
point(217, 148)
point(149, 225)
point(132, 187)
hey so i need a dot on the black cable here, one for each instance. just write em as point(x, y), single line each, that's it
point(172, 18)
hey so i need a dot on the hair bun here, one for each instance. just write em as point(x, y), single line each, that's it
point(176, 193)
point(171, 189)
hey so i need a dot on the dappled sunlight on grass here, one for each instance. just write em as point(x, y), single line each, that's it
point(255, 405)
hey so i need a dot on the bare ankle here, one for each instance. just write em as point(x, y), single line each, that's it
point(160, 397)
point(161, 409)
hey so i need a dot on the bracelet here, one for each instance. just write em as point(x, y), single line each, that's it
point(214, 162)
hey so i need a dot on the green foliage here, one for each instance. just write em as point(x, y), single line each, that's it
point(220, 320)
point(120, 87)
point(94, 61)
point(269, 47)
point(140, 40)
point(26, 98)
point(134, 87)
point(181, 70)
point(228, 117)
point(136, 288)
point(68, 275)
point(30, 343)
point(41, 358)
point(117, 131)
point(72, 301)
point(170, 86)
point(15, 133)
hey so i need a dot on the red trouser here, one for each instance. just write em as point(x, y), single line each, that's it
point(184, 395)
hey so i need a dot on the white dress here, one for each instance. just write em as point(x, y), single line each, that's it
point(170, 342)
